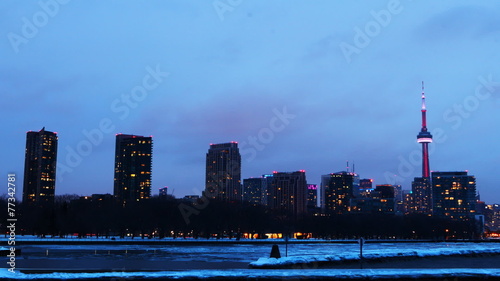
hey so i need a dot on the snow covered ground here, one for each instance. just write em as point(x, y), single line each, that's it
point(249, 274)
point(216, 256)
point(385, 251)
point(207, 252)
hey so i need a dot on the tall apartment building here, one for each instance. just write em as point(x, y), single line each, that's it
point(40, 167)
point(223, 172)
point(288, 192)
point(133, 160)
point(454, 195)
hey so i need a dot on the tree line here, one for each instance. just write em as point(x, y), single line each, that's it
point(157, 217)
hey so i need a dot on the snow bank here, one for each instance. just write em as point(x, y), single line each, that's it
point(349, 257)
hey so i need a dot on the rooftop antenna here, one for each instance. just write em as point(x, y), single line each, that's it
point(423, 102)
point(348, 166)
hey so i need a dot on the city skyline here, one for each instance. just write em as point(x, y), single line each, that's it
point(287, 92)
point(132, 179)
point(424, 164)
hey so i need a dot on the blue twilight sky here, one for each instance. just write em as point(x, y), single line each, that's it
point(299, 84)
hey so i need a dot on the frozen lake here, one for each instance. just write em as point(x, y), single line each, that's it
point(244, 253)
point(210, 260)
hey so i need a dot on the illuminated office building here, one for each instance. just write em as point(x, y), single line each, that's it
point(40, 167)
point(133, 157)
point(288, 192)
point(454, 195)
point(223, 172)
point(337, 192)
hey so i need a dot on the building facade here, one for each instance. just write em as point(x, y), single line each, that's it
point(133, 160)
point(40, 167)
point(365, 187)
point(312, 196)
point(223, 172)
point(421, 196)
point(380, 200)
point(256, 190)
point(163, 192)
point(454, 195)
point(288, 192)
point(337, 192)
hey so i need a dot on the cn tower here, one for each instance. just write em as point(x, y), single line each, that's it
point(424, 137)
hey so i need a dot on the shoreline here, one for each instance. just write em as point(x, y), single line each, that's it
point(191, 241)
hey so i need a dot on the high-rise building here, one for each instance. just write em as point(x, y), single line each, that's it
point(266, 186)
point(407, 202)
point(386, 194)
point(254, 191)
point(40, 167)
point(337, 192)
point(380, 200)
point(386, 190)
point(421, 186)
point(399, 199)
point(133, 157)
point(421, 196)
point(163, 192)
point(492, 218)
point(288, 192)
point(454, 195)
point(365, 185)
point(312, 196)
point(223, 172)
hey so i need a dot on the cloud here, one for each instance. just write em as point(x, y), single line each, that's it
point(471, 21)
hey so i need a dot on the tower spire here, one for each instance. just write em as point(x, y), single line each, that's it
point(423, 96)
point(424, 110)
